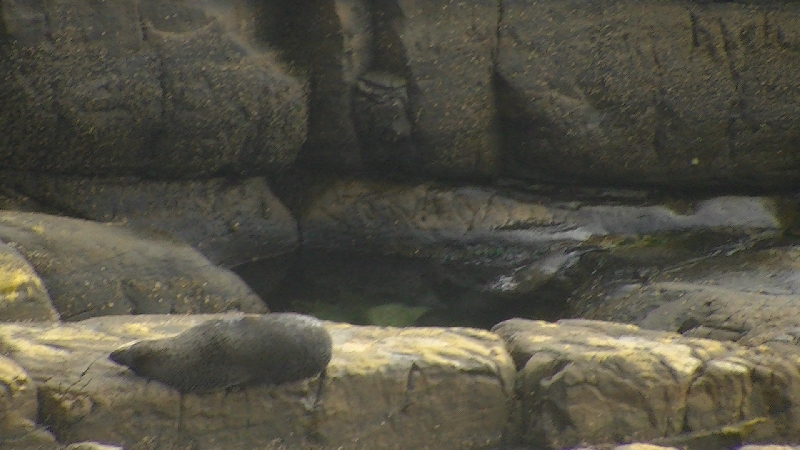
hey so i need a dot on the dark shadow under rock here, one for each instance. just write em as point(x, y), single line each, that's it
point(402, 291)
point(490, 253)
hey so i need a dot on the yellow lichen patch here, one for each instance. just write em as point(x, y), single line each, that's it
point(64, 334)
point(354, 347)
point(373, 349)
point(678, 356)
point(357, 358)
point(12, 279)
point(605, 341)
point(706, 348)
point(646, 355)
point(478, 334)
point(143, 330)
point(543, 326)
point(730, 366)
point(33, 349)
point(38, 229)
point(13, 377)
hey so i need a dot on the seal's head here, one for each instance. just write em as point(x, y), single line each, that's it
point(137, 357)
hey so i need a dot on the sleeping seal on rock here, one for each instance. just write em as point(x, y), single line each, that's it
point(240, 351)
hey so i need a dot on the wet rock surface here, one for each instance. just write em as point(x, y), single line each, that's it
point(735, 293)
point(493, 253)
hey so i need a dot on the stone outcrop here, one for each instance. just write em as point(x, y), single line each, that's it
point(23, 295)
point(18, 408)
point(90, 269)
point(446, 50)
point(596, 382)
point(165, 89)
point(673, 94)
point(418, 219)
point(495, 253)
point(229, 222)
point(384, 388)
point(731, 294)
point(577, 381)
point(443, 122)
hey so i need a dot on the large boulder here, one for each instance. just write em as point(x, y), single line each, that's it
point(23, 295)
point(384, 388)
point(158, 88)
point(737, 293)
point(19, 409)
point(399, 85)
point(229, 222)
point(673, 94)
point(446, 51)
point(90, 269)
point(602, 383)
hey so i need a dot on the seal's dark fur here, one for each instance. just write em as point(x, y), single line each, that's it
point(269, 349)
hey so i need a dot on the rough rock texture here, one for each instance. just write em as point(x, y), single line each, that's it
point(381, 117)
point(691, 446)
point(444, 123)
point(91, 269)
point(675, 94)
point(732, 294)
point(384, 388)
point(597, 382)
point(91, 446)
point(158, 88)
point(407, 219)
point(22, 293)
point(332, 39)
point(494, 253)
point(230, 222)
point(414, 219)
point(18, 409)
point(446, 50)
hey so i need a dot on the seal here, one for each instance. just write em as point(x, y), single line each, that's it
point(219, 354)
